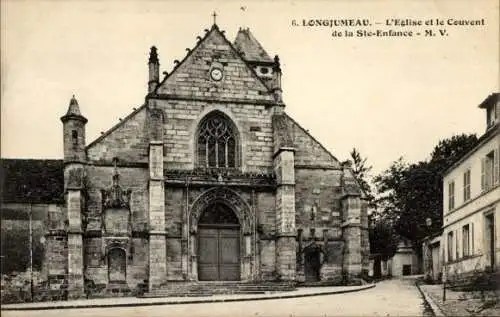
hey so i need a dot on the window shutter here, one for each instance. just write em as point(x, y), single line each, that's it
point(472, 238)
point(483, 173)
point(496, 163)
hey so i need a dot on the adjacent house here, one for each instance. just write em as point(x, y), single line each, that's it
point(471, 197)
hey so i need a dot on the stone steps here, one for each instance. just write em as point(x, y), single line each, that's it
point(182, 289)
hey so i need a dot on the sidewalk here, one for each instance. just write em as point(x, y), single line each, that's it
point(456, 304)
point(134, 301)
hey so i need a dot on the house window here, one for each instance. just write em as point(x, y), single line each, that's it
point(491, 116)
point(451, 195)
point(450, 246)
point(465, 241)
point(217, 143)
point(467, 185)
point(489, 170)
point(457, 254)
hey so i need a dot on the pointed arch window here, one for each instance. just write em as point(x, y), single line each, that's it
point(217, 143)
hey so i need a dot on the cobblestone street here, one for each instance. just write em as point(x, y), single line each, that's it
point(388, 298)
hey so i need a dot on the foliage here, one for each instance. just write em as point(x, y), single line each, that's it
point(381, 234)
point(361, 172)
point(409, 194)
point(383, 238)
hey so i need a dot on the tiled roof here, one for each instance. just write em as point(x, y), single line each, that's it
point(249, 47)
point(29, 180)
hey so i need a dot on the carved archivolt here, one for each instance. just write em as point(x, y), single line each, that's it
point(228, 197)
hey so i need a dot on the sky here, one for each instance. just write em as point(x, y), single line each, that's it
point(388, 97)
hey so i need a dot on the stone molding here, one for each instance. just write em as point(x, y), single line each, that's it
point(220, 177)
point(225, 195)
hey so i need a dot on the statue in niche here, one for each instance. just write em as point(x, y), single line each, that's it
point(116, 198)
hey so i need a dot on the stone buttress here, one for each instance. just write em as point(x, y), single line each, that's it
point(352, 207)
point(157, 232)
point(283, 159)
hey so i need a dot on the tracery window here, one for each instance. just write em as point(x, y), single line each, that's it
point(217, 143)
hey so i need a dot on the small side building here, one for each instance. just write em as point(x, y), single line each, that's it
point(405, 261)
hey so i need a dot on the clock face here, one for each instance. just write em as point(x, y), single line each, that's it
point(216, 74)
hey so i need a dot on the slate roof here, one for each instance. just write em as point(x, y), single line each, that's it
point(73, 108)
point(249, 47)
point(30, 180)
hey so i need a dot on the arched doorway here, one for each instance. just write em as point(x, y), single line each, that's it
point(312, 264)
point(218, 244)
point(117, 265)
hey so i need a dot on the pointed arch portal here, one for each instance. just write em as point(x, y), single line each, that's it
point(218, 244)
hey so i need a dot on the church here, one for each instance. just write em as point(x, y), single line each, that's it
point(208, 180)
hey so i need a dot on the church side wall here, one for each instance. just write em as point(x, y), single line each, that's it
point(318, 214)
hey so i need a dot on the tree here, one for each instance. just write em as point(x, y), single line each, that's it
point(361, 170)
point(383, 238)
point(411, 193)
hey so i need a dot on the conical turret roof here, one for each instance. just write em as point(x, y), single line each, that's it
point(249, 47)
point(74, 108)
point(73, 111)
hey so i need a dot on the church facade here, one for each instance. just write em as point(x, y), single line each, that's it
point(209, 180)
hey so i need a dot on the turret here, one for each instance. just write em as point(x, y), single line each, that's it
point(74, 159)
point(276, 86)
point(74, 133)
point(154, 69)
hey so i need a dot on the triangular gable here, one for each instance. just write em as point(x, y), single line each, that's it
point(128, 140)
point(308, 151)
point(191, 78)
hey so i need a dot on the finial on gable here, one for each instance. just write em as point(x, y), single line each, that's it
point(214, 15)
point(153, 55)
point(277, 65)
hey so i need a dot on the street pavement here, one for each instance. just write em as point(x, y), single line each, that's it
point(389, 298)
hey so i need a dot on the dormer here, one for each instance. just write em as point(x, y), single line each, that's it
point(492, 106)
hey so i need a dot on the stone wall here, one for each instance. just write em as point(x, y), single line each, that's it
point(134, 179)
point(253, 123)
point(128, 140)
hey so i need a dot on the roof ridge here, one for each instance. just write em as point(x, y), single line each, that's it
point(198, 43)
point(116, 126)
point(253, 41)
point(201, 40)
point(309, 134)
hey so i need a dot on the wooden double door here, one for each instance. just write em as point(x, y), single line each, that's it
point(219, 253)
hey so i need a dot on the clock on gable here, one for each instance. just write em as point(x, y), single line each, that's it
point(216, 73)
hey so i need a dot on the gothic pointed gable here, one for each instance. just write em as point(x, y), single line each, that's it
point(191, 78)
